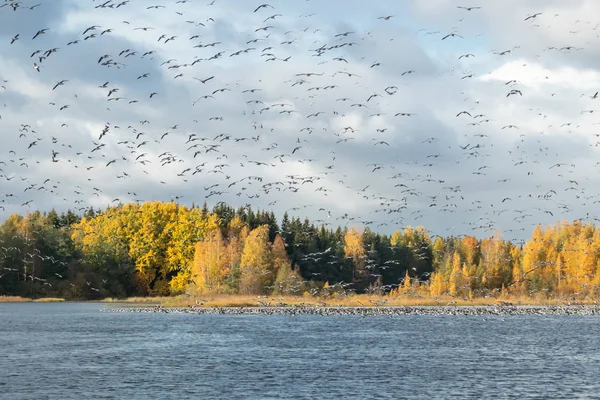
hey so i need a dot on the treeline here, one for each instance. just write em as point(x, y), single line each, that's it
point(159, 249)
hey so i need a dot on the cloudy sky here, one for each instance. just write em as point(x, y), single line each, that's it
point(386, 114)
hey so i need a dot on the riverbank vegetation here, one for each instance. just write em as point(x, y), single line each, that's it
point(19, 299)
point(186, 254)
point(359, 300)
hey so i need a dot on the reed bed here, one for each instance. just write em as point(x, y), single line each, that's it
point(19, 299)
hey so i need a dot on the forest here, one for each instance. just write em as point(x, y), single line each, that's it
point(167, 249)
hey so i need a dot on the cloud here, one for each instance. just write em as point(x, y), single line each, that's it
point(536, 76)
point(333, 108)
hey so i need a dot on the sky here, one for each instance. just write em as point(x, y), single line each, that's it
point(466, 118)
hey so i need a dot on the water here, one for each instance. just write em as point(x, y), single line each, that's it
point(74, 351)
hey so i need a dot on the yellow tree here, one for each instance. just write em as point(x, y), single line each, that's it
point(256, 263)
point(495, 258)
point(595, 278)
point(586, 259)
point(439, 248)
point(149, 245)
point(561, 285)
point(517, 269)
point(280, 256)
point(396, 238)
point(236, 227)
point(406, 284)
point(210, 265)
point(409, 236)
point(437, 284)
point(198, 269)
point(545, 276)
point(235, 246)
point(595, 284)
point(470, 247)
point(534, 257)
point(457, 281)
point(353, 248)
point(215, 259)
point(189, 226)
point(287, 280)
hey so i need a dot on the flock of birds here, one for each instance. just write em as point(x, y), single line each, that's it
point(245, 103)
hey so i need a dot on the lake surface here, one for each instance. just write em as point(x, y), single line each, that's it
point(75, 351)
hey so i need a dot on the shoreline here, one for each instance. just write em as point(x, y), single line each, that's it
point(19, 299)
point(372, 311)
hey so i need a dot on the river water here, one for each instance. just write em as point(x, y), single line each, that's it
point(75, 351)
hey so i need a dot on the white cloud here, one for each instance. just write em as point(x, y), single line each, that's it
point(536, 76)
point(428, 153)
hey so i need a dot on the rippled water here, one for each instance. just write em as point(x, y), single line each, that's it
point(74, 351)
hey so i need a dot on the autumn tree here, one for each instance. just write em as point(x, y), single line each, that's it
point(257, 271)
point(457, 280)
point(353, 248)
point(287, 281)
point(237, 232)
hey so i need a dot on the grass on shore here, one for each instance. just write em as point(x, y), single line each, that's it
point(140, 300)
point(19, 299)
point(363, 300)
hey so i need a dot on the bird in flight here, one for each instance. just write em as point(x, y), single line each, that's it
point(452, 35)
point(40, 32)
point(532, 16)
point(263, 6)
point(60, 84)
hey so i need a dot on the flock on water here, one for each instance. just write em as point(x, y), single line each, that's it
point(496, 310)
point(383, 116)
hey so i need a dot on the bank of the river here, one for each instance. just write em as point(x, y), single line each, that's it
point(19, 299)
point(336, 300)
point(356, 301)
